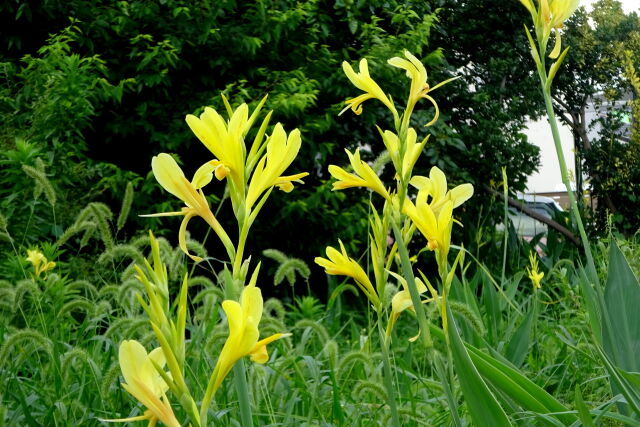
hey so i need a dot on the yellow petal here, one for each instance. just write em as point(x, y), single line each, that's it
point(556, 47)
point(251, 302)
point(233, 310)
point(182, 239)
point(204, 174)
point(461, 194)
point(132, 357)
point(259, 353)
point(439, 181)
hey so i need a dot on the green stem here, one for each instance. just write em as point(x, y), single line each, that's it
point(506, 226)
point(565, 179)
point(407, 271)
point(240, 378)
point(388, 376)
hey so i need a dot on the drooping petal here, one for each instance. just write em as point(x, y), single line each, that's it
point(204, 174)
point(259, 353)
point(461, 194)
point(182, 238)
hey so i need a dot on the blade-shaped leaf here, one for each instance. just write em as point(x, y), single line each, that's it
point(621, 337)
point(483, 405)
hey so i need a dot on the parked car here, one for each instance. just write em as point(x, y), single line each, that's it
point(526, 226)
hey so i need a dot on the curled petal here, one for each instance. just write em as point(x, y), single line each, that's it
point(182, 240)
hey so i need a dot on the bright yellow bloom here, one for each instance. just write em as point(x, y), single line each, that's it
point(340, 264)
point(416, 72)
point(561, 10)
point(142, 381)
point(551, 15)
point(435, 188)
point(243, 318)
point(412, 150)
point(401, 301)
point(172, 179)
point(364, 82)
point(364, 176)
point(436, 230)
point(534, 274)
point(224, 140)
point(281, 151)
point(419, 86)
point(432, 212)
point(39, 261)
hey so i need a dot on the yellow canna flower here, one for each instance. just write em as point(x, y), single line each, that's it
point(561, 10)
point(419, 86)
point(436, 230)
point(225, 141)
point(401, 301)
point(416, 72)
point(412, 150)
point(281, 151)
point(435, 188)
point(364, 82)
point(551, 15)
point(340, 264)
point(364, 176)
point(534, 274)
point(142, 381)
point(39, 261)
point(172, 179)
point(243, 318)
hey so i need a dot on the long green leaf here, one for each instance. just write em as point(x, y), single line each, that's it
point(514, 384)
point(621, 340)
point(518, 346)
point(483, 405)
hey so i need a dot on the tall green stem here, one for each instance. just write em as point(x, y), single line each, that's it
point(407, 272)
point(388, 375)
point(239, 372)
point(240, 378)
point(565, 179)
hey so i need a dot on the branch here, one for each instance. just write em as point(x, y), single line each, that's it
point(535, 215)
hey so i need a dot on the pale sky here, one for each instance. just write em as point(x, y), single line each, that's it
point(627, 5)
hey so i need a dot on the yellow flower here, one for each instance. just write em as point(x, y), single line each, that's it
point(561, 10)
point(172, 179)
point(364, 176)
point(412, 150)
point(436, 230)
point(401, 301)
point(435, 188)
point(419, 86)
point(340, 264)
point(432, 212)
point(142, 381)
point(534, 274)
point(224, 140)
point(243, 318)
point(39, 261)
point(281, 151)
point(364, 82)
point(551, 15)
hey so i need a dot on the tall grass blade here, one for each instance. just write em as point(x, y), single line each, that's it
point(483, 405)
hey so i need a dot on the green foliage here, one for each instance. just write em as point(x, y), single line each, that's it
point(599, 74)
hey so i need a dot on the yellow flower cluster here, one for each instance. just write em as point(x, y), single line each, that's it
point(39, 262)
point(431, 212)
point(267, 160)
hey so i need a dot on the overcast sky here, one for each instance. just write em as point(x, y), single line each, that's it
point(627, 5)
